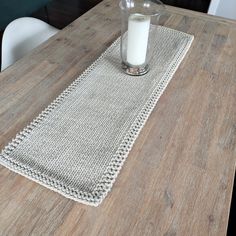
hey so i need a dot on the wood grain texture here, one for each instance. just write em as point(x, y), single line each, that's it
point(179, 175)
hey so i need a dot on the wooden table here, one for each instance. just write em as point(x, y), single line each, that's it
point(178, 178)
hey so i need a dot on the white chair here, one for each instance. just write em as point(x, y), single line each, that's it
point(21, 36)
point(223, 8)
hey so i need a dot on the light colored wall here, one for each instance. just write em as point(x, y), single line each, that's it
point(225, 8)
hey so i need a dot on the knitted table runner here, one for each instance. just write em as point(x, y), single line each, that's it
point(79, 143)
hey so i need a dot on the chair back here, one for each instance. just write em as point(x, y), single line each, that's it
point(21, 36)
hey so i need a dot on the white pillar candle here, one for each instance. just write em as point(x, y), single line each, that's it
point(138, 31)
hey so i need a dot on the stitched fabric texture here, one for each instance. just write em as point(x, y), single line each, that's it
point(79, 143)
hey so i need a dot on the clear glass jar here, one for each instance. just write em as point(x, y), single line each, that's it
point(139, 21)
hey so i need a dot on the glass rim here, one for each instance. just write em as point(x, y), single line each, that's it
point(155, 12)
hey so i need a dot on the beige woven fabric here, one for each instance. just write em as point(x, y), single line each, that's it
point(78, 145)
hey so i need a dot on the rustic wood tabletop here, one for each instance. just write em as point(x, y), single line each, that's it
point(178, 178)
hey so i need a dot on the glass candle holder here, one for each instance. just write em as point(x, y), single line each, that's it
point(139, 20)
